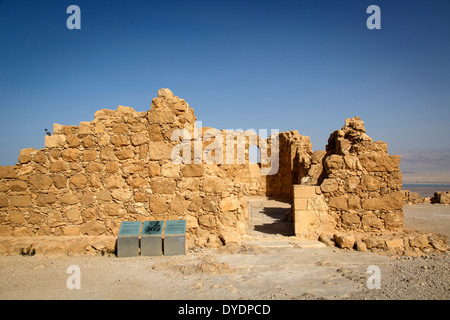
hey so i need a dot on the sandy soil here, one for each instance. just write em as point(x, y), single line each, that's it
point(265, 269)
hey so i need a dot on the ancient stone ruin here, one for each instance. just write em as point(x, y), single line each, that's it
point(119, 167)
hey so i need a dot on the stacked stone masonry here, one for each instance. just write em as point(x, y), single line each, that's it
point(118, 167)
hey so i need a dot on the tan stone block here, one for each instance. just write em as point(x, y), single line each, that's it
point(25, 155)
point(354, 202)
point(112, 167)
point(40, 157)
point(394, 243)
point(73, 141)
point(92, 228)
point(5, 231)
point(103, 196)
point(160, 116)
point(300, 204)
point(178, 205)
point(305, 216)
point(90, 155)
point(350, 219)
point(334, 162)
point(16, 217)
point(170, 170)
point(107, 154)
point(370, 183)
point(87, 199)
point(139, 139)
point(137, 182)
point(158, 204)
point(60, 181)
point(161, 185)
point(78, 181)
point(213, 185)
point(134, 167)
point(329, 185)
point(207, 221)
point(7, 172)
point(420, 241)
point(154, 169)
point(121, 128)
point(345, 241)
point(55, 141)
point(124, 154)
point(84, 127)
point(57, 166)
point(140, 197)
point(45, 199)
point(193, 170)
point(18, 186)
point(4, 202)
point(114, 181)
point(119, 140)
point(339, 203)
point(88, 142)
point(20, 201)
point(370, 220)
point(114, 209)
point(123, 195)
point(154, 132)
point(159, 150)
point(301, 191)
point(94, 167)
point(104, 114)
point(72, 231)
point(69, 198)
point(392, 201)
point(229, 204)
point(73, 214)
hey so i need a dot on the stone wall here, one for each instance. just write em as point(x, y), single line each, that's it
point(360, 181)
point(118, 167)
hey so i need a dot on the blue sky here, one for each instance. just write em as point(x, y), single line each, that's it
point(287, 65)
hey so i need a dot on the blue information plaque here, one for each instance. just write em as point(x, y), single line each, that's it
point(151, 238)
point(128, 239)
point(175, 237)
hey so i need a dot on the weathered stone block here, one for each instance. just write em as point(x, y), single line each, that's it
point(229, 204)
point(300, 204)
point(339, 203)
point(158, 204)
point(45, 199)
point(20, 201)
point(301, 191)
point(25, 155)
point(78, 181)
point(345, 241)
point(329, 185)
point(392, 201)
point(18, 186)
point(159, 150)
point(7, 172)
point(55, 141)
point(57, 166)
point(90, 155)
point(193, 170)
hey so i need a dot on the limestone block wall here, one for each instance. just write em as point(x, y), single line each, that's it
point(360, 181)
point(118, 167)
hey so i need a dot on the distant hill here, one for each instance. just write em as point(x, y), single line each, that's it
point(425, 166)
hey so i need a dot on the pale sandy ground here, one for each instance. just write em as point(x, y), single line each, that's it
point(251, 271)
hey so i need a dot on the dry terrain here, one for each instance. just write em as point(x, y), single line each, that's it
point(271, 267)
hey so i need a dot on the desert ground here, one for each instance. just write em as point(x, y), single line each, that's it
point(270, 267)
